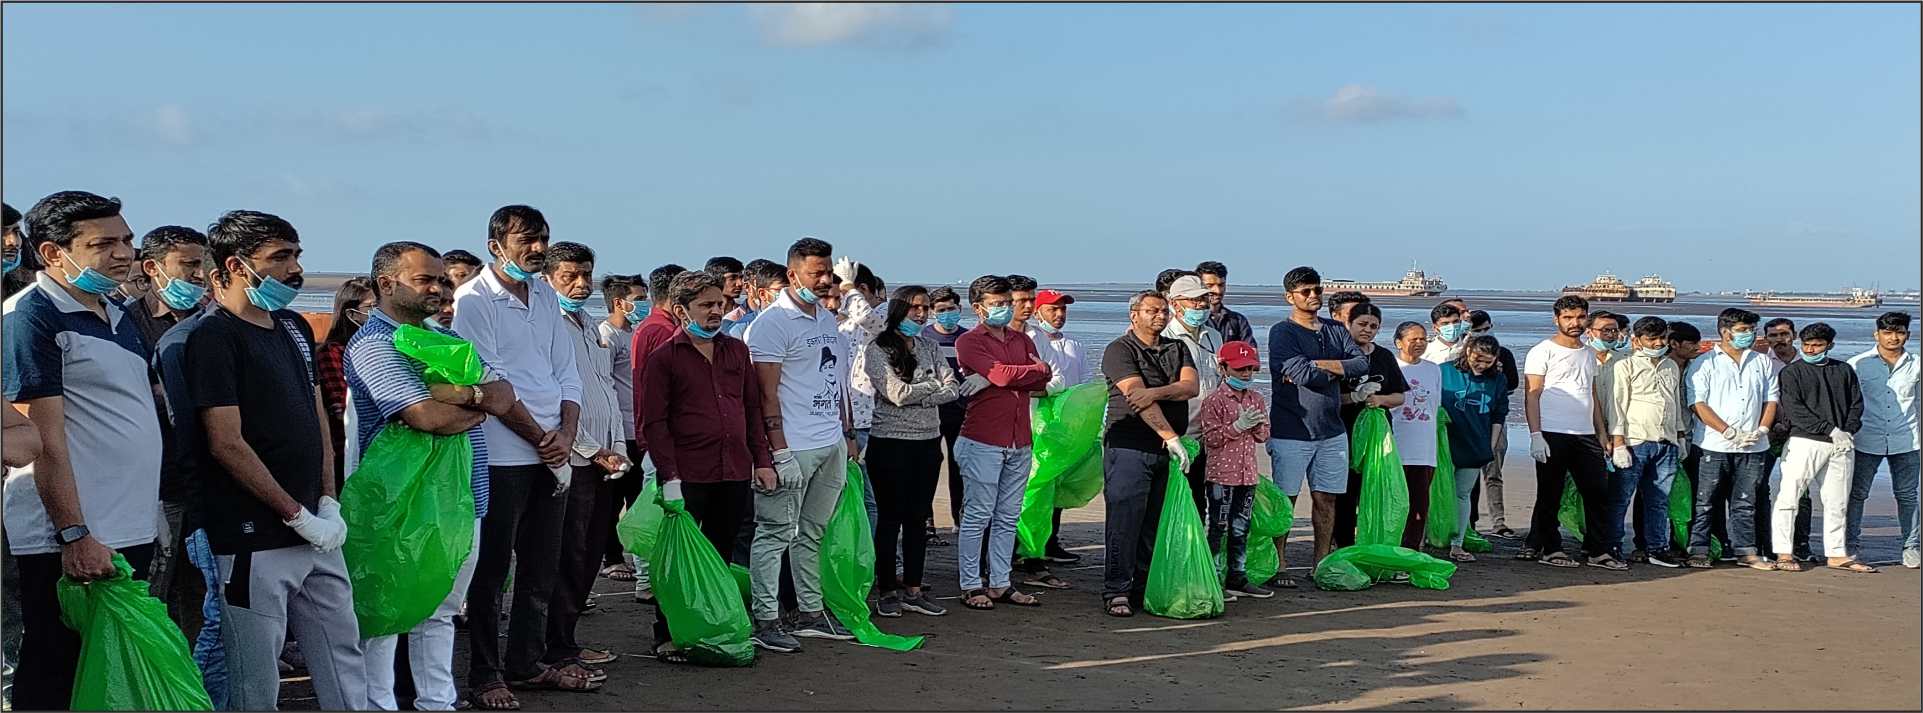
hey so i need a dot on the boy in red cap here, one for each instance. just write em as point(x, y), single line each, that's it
point(1234, 428)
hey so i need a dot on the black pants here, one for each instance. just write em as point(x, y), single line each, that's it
point(580, 561)
point(625, 491)
point(523, 523)
point(951, 423)
point(717, 507)
point(1133, 485)
point(904, 474)
point(1345, 507)
point(1580, 458)
point(1418, 477)
point(49, 651)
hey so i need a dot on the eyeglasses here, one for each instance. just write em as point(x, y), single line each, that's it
point(1309, 291)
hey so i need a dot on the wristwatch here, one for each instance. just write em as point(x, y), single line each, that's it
point(69, 535)
point(474, 395)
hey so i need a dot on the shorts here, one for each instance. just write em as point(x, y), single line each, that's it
point(1324, 464)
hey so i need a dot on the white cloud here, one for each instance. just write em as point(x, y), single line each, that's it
point(1363, 104)
point(818, 24)
point(171, 125)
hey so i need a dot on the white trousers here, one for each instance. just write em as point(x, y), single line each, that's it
point(430, 650)
point(1809, 463)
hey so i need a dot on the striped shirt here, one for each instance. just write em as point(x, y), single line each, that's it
point(384, 381)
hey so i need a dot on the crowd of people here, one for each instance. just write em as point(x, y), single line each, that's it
point(744, 390)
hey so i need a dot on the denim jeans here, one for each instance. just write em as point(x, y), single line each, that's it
point(1903, 484)
point(1230, 507)
point(992, 503)
point(867, 484)
point(1736, 475)
point(209, 654)
point(1652, 468)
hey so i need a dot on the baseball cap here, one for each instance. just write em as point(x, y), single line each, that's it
point(1238, 355)
point(1053, 297)
point(1187, 287)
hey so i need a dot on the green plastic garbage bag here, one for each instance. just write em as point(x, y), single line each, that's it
point(1036, 523)
point(1682, 511)
point(1473, 542)
point(706, 616)
point(409, 508)
point(448, 359)
point(1359, 566)
point(1271, 518)
point(132, 657)
point(848, 568)
point(640, 526)
point(1440, 527)
point(1569, 515)
point(1079, 486)
point(1383, 507)
point(1181, 572)
point(1067, 430)
point(742, 580)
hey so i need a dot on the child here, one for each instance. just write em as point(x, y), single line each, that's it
point(1234, 427)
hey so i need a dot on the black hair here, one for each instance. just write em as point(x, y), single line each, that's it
point(1893, 322)
point(1478, 318)
point(616, 287)
point(1300, 276)
point(810, 247)
point(1684, 332)
point(661, 280)
point(1601, 314)
point(51, 220)
point(1338, 300)
point(764, 274)
point(386, 257)
point(1569, 302)
point(689, 284)
point(238, 233)
point(1168, 277)
point(1444, 311)
point(720, 265)
point(894, 344)
point(987, 285)
point(158, 242)
point(8, 216)
point(1651, 327)
point(461, 257)
point(566, 252)
point(1779, 322)
point(1485, 345)
point(1362, 309)
point(1818, 331)
point(1406, 326)
point(1731, 318)
point(866, 279)
point(1211, 267)
point(943, 294)
point(353, 290)
point(1021, 283)
point(514, 218)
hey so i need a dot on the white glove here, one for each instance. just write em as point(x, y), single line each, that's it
point(846, 269)
point(324, 534)
point(1842, 440)
point(563, 475)
point(974, 384)
point(330, 509)
point(1367, 390)
point(1538, 448)
point(1247, 419)
point(1177, 452)
point(1619, 456)
point(671, 491)
point(1755, 436)
point(1734, 435)
point(787, 471)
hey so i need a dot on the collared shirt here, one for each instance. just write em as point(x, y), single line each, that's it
point(56, 346)
point(180, 478)
point(1441, 352)
point(649, 335)
point(1736, 391)
point(600, 424)
point(529, 346)
point(739, 329)
point(1232, 326)
point(173, 486)
point(1203, 343)
point(384, 382)
point(1889, 403)
point(863, 321)
point(814, 366)
point(620, 350)
point(704, 418)
point(998, 415)
point(1065, 355)
point(1643, 399)
point(1231, 453)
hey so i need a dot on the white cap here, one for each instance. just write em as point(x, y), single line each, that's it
point(1187, 287)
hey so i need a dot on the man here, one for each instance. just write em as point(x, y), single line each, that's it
point(705, 448)
point(1643, 410)
point(800, 359)
point(12, 245)
point(1734, 393)
point(1481, 325)
point(1825, 404)
point(765, 280)
point(1308, 356)
point(1340, 302)
point(1188, 324)
point(945, 328)
point(729, 271)
point(1167, 277)
point(79, 368)
point(1150, 380)
point(1022, 291)
point(271, 516)
point(410, 285)
point(1566, 432)
point(1229, 323)
point(1451, 330)
point(1888, 375)
point(1003, 368)
point(514, 322)
point(1606, 336)
point(461, 266)
point(1779, 341)
point(626, 300)
point(1068, 366)
point(600, 454)
point(656, 329)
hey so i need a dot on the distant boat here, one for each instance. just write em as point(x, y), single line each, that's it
point(1609, 288)
point(1855, 298)
point(1414, 283)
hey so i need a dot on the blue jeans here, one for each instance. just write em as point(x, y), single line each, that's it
point(992, 502)
point(1651, 470)
point(1904, 469)
point(867, 484)
point(209, 654)
point(1741, 471)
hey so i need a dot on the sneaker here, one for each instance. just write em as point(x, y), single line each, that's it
point(1698, 562)
point(1912, 558)
point(1399, 578)
point(1242, 587)
point(920, 603)
point(889, 605)
point(1061, 556)
point(1662, 560)
point(1229, 597)
point(821, 626)
point(770, 636)
point(1638, 556)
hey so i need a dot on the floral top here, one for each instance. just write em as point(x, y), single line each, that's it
point(863, 322)
point(1231, 453)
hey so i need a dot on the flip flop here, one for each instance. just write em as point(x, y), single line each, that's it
point(618, 573)
point(1008, 597)
point(1855, 566)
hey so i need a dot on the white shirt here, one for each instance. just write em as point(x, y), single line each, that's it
point(1736, 391)
point(1415, 420)
point(814, 365)
point(1889, 403)
point(1441, 353)
point(863, 322)
point(1568, 386)
point(620, 342)
point(1203, 344)
point(1066, 357)
point(600, 405)
point(529, 346)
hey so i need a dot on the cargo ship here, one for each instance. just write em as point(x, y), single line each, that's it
point(1414, 283)
point(1855, 298)
point(1609, 288)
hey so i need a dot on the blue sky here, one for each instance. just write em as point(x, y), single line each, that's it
point(1499, 146)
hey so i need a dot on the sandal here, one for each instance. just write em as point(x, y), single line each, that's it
point(503, 702)
point(1504, 533)
point(1046, 581)
point(666, 652)
point(1528, 553)
point(618, 573)
point(978, 599)
point(575, 667)
point(557, 678)
point(1558, 559)
point(1855, 566)
point(1461, 556)
point(590, 657)
point(1758, 563)
point(1788, 564)
point(1018, 598)
point(1609, 562)
point(1118, 608)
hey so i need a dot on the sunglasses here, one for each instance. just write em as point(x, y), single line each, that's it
point(1309, 291)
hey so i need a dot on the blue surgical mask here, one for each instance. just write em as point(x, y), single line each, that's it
point(90, 281)
point(700, 331)
point(1451, 332)
point(909, 328)
point(433, 323)
point(1816, 358)
point(1194, 317)
point(569, 304)
point(1237, 383)
point(181, 294)
point(807, 296)
point(641, 311)
point(1742, 340)
point(1046, 328)
point(633, 316)
point(999, 316)
point(1622, 343)
point(268, 293)
point(1656, 353)
point(949, 320)
point(1598, 344)
point(9, 264)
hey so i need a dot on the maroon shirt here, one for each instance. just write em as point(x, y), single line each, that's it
point(649, 335)
point(701, 419)
point(998, 416)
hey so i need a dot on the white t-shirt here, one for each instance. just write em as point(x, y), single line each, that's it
point(814, 366)
point(1568, 380)
point(1414, 422)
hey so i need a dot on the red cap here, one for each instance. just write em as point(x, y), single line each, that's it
point(1052, 297)
point(1238, 355)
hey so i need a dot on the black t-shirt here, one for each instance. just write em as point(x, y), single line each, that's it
point(1382, 362)
point(269, 374)
point(1158, 365)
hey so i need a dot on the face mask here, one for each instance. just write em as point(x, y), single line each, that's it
point(90, 281)
point(1194, 317)
point(1816, 358)
point(1237, 383)
point(700, 331)
point(569, 304)
point(1655, 353)
point(514, 271)
point(269, 294)
point(181, 294)
point(1742, 340)
point(1621, 343)
point(1046, 327)
point(1451, 332)
point(949, 320)
point(807, 296)
point(433, 323)
point(909, 328)
point(9, 264)
point(999, 316)
point(1599, 345)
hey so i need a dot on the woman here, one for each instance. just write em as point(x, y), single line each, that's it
point(1414, 423)
point(1475, 392)
point(1381, 387)
point(904, 452)
point(351, 304)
